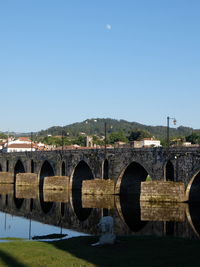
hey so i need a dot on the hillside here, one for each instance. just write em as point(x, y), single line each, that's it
point(97, 126)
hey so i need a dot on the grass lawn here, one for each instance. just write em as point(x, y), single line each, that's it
point(129, 251)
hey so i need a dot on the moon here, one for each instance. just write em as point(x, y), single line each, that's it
point(108, 27)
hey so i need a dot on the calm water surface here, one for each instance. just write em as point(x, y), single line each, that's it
point(26, 213)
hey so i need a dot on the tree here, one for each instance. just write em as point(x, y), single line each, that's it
point(194, 138)
point(97, 140)
point(116, 137)
point(3, 136)
point(138, 135)
point(80, 140)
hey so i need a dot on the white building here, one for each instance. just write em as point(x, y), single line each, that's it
point(22, 144)
point(20, 140)
point(19, 147)
point(147, 142)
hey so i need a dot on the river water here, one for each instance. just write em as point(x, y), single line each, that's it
point(28, 213)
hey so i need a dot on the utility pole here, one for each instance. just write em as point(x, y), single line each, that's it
point(62, 140)
point(31, 143)
point(105, 140)
point(174, 121)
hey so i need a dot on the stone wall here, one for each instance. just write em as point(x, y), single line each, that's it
point(98, 201)
point(27, 191)
point(162, 191)
point(56, 196)
point(155, 211)
point(56, 183)
point(6, 178)
point(27, 179)
point(98, 187)
point(185, 161)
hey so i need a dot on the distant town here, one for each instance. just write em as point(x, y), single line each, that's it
point(98, 133)
point(22, 144)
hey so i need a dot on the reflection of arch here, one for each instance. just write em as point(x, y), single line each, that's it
point(193, 217)
point(81, 172)
point(169, 228)
point(129, 182)
point(18, 202)
point(63, 172)
point(169, 171)
point(6, 199)
point(46, 170)
point(81, 213)
point(31, 205)
point(128, 208)
point(105, 169)
point(193, 188)
point(45, 206)
point(62, 209)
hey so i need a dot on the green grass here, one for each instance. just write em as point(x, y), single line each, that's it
point(129, 251)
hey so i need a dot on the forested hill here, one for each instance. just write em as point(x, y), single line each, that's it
point(97, 126)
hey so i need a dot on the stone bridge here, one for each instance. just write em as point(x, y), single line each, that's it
point(127, 167)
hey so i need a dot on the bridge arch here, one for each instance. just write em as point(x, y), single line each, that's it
point(169, 171)
point(0, 168)
point(81, 172)
point(129, 181)
point(7, 165)
point(46, 170)
point(18, 168)
point(63, 169)
point(32, 166)
point(193, 188)
point(105, 169)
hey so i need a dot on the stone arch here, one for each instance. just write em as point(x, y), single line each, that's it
point(169, 171)
point(46, 170)
point(129, 181)
point(105, 170)
point(81, 172)
point(193, 188)
point(32, 166)
point(19, 168)
point(7, 165)
point(63, 169)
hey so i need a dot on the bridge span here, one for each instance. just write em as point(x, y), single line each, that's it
point(127, 167)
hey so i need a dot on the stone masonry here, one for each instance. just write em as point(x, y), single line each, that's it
point(162, 191)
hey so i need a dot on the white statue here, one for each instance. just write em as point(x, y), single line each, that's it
point(107, 237)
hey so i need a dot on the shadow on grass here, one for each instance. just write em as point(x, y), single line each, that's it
point(9, 260)
point(134, 251)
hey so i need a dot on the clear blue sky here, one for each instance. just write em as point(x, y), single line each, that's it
point(68, 60)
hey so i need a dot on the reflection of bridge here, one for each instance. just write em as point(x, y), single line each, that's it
point(84, 214)
point(127, 167)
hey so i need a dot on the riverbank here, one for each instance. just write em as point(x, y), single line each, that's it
point(128, 251)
